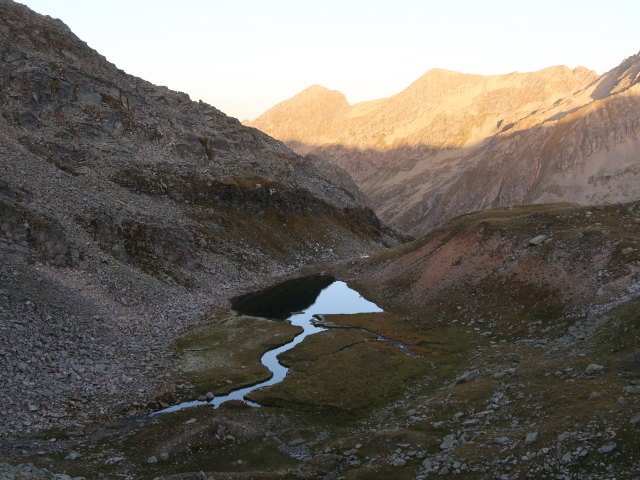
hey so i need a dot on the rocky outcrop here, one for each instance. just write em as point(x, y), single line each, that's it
point(453, 143)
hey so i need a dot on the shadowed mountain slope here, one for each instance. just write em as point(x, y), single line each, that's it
point(127, 211)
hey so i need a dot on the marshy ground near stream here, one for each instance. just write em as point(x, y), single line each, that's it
point(298, 302)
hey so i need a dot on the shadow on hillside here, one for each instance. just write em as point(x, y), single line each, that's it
point(418, 188)
point(629, 67)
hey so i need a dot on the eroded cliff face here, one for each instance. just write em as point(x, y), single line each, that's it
point(452, 143)
point(127, 211)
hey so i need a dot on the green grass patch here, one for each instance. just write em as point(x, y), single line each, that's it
point(225, 354)
point(342, 371)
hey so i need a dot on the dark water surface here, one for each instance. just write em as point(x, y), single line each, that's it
point(295, 301)
point(281, 300)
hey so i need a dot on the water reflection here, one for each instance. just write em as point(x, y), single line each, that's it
point(281, 300)
point(297, 301)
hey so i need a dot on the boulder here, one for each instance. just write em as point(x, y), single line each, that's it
point(593, 369)
point(538, 240)
point(609, 447)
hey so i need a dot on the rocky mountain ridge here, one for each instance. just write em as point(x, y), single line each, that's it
point(452, 143)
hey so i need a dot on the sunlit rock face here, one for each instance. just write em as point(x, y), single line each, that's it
point(452, 143)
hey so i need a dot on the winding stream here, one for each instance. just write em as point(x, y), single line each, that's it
point(295, 301)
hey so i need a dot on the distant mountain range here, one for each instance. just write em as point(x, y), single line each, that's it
point(452, 142)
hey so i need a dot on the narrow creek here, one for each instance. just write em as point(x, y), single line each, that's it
point(295, 301)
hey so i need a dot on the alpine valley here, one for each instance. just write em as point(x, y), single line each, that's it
point(154, 252)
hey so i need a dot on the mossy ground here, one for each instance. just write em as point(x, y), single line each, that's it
point(225, 354)
point(339, 377)
point(342, 371)
point(422, 338)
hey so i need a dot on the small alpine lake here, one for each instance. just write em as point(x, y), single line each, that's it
point(295, 301)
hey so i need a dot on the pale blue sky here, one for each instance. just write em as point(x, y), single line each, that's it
point(245, 56)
